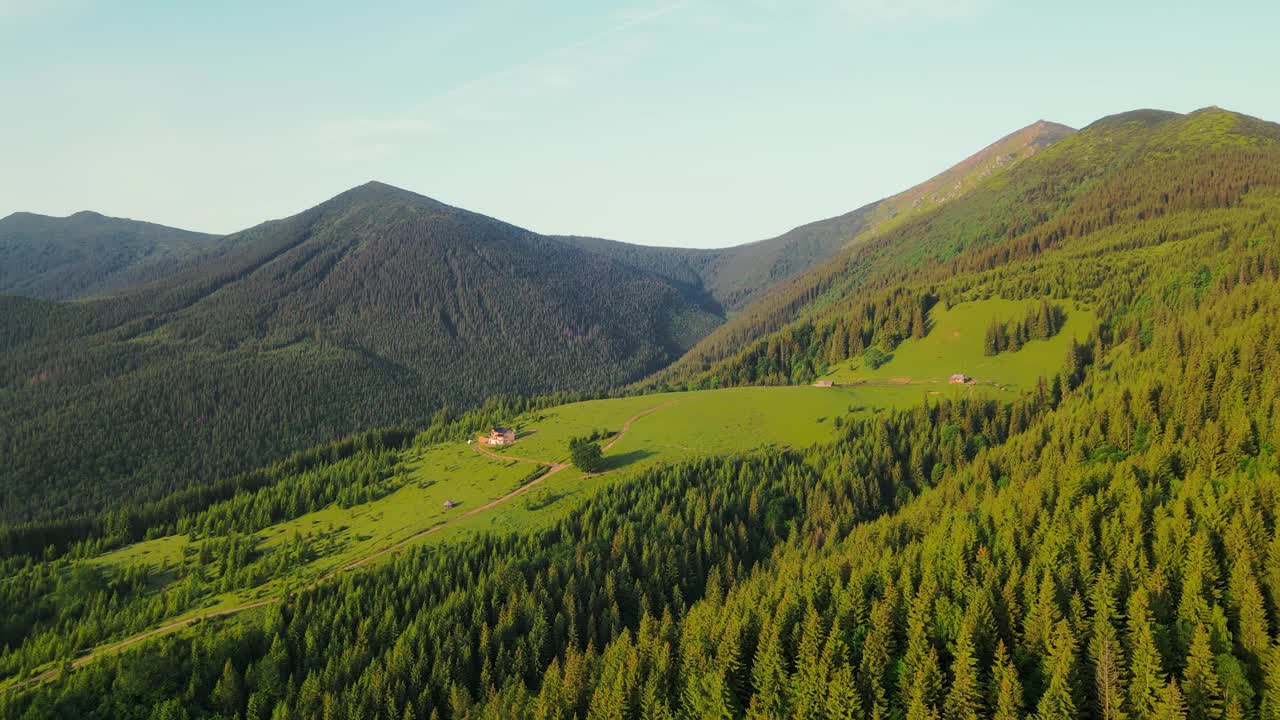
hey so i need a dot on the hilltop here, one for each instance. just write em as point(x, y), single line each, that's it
point(88, 254)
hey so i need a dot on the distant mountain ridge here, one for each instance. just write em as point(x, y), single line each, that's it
point(88, 254)
point(739, 275)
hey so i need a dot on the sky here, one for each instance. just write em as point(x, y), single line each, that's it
point(700, 123)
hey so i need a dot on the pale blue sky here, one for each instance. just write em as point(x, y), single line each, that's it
point(699, 123)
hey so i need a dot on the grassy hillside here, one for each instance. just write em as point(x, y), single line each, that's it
point(954, 344)
point(377, 307)
point(87, 254)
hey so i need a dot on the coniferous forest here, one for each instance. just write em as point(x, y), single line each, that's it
point(1104, 543)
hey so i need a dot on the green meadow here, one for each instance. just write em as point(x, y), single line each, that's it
point(954, 344)
point(664, 428)
point(676, 426)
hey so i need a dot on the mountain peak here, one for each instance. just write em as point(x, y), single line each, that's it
point(378, 192)
point(1146, 116)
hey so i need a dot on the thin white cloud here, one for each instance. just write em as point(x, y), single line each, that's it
point(552, 63)
point(864, 12)
point(882, 11)
point(557, 69)
point(22, 9)
point(582, 61)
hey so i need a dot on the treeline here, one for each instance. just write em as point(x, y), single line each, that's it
point(448, 425)
point(799, 353)
point(1041, 322)
point(91, 533)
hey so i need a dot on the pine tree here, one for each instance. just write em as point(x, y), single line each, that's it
point(1200, 678)
point(1105, 654)
point(1146, 674)
point(1058, 701)
point(1172, 705)
point(768, 679)
point(963, 701)
point(1006, 690)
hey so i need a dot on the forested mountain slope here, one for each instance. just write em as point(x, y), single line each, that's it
point(740, 275)
point(88, 254)
point(1158, 161)
point(1107, 544)
point(375, 308)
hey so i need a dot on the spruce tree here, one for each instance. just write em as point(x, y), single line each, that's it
point(768, 679)
point(1146, 674)
point(1172, 705)
point(1058, 701)
point(1270, 702)
point(1200, 679)
point(963, 701)
point(1105, 654)
point(1006, 690)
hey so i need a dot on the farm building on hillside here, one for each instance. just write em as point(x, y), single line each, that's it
point(499, 436)
point(960, 379)
point(449, 504)
point(824, 383)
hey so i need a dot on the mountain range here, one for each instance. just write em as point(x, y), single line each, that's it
point(382, 307)
point(1007, 450)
